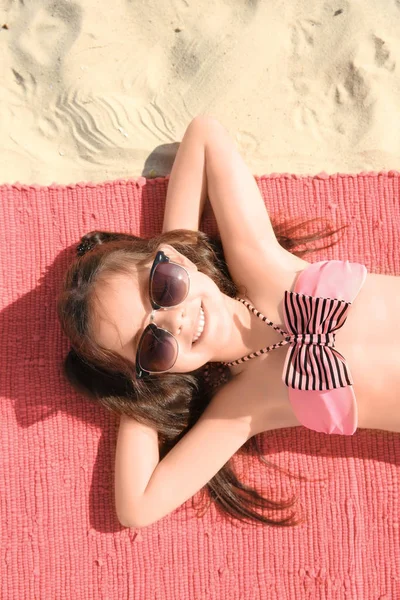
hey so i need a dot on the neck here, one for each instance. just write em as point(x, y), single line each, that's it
point(248, 332)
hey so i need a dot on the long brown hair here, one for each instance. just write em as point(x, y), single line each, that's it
point(171, 403)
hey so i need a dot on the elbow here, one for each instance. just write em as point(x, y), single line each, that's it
point(126, 520)
point(204, 121)
point(130, 523)
point(134, 514)
point(129, 514)
point(136, 522)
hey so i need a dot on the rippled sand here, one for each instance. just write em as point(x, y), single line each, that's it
point(96, 90)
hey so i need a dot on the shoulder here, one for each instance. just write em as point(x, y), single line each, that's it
point(267, 280)
point(236, 404)
point(264, 261)
point(256, 398)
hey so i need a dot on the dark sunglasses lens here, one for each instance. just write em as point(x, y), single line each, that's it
point(158, 350)
point(169, 285)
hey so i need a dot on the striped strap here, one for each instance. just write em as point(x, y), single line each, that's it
point(267, 348)
point(312, 362)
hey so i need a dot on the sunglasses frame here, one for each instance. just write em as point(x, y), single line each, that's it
point(160, 257)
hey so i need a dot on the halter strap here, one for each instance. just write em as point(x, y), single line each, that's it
point(287, 340)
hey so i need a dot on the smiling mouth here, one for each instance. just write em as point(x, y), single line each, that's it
point(200, 326)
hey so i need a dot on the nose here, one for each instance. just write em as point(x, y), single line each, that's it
point(170, 319)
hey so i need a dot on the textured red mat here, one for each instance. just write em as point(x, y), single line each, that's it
point(60, 538)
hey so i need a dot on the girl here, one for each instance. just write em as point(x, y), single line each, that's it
point(199, 355)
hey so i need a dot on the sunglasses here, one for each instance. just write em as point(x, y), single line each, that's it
point(168, 286)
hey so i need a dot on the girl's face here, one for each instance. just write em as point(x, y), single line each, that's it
point(123, 309)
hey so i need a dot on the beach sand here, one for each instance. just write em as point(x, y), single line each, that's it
point(96, 91)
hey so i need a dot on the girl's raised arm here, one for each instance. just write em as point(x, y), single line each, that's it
point(187, 186)
point(146, 490)
point(208, 163)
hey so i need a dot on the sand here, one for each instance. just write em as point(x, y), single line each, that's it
point(97, 90)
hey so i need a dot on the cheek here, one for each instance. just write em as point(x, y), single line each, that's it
point(205, 286)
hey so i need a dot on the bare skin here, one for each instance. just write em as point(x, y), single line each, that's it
point(256, 400)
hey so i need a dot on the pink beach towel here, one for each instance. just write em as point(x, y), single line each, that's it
point(60, 538)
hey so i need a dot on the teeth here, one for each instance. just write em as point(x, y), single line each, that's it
point(200, 326)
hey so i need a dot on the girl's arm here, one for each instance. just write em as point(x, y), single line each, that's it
point(208, 163)
point(187, 185)
point(136, 457)
point(146, 490)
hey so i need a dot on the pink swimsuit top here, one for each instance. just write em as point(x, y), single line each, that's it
point(317, 375)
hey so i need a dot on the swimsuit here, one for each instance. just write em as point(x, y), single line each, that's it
point(317, 375)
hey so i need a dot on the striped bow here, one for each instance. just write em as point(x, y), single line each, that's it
point(312, 362)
